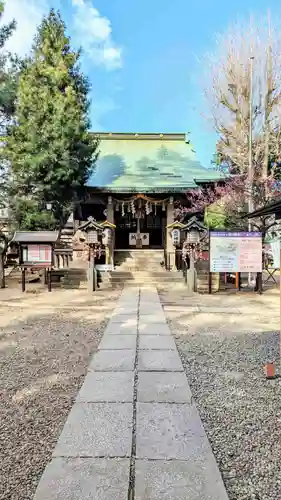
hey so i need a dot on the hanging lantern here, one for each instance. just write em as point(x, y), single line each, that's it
point(107, 237)
point(175, 233)
point(123, 209)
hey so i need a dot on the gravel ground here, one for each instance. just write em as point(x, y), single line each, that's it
point(44, 356)
point(240, 409)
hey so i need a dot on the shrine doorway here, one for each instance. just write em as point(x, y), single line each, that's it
point(151, 227)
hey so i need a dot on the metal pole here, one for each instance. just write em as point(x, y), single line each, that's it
point(250, 167)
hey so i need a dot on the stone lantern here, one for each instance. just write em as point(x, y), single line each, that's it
point(94, 232)
point(194, 232)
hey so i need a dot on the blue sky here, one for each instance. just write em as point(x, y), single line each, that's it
point(141, 57)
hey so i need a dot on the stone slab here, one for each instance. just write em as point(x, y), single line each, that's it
point(120, 328)
point(110, 360)
point(149, 300)
point(151, 305)
point(161, 342)
point(170, 431)
point(125, 310)
point(117, 342)
point(84, 479)
point(97, 430)
point(154, 329)
point(111, 387)
point(126, 319)
point(179, 480)
point(167, 361)
point(163, 387)
point(152, 318)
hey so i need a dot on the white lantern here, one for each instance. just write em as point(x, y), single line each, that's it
point(107, 236)
point(176, 236)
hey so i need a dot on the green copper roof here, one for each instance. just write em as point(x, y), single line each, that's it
point(148, 162)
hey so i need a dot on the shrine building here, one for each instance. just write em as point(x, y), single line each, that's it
point(138, 181)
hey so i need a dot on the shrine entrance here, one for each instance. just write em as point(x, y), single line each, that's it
point(150, 227)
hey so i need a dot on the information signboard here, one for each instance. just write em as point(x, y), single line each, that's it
point(233, 252)
point(37, 255)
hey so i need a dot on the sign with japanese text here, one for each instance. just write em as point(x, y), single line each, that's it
point(144, 238)
point(37, 255)
point(233, 252)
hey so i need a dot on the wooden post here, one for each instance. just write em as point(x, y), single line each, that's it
point(209, 274)
point(210, 282)
point(23, 280)
point(49, 280)
point(94, 274)
point(91, 271)
point(237, 281)
point(259, 277)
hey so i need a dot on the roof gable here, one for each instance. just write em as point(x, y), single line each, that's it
point(143, 162)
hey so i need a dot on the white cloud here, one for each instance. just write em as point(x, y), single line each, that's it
point(94, 33)
point(88, 29)
point(28, 14)
point(91, 30)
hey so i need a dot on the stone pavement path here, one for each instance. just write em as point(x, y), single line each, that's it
point(134, 432)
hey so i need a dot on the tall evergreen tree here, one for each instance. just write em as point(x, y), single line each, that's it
point(49, 146)
point(9, 67)
point(8, 73)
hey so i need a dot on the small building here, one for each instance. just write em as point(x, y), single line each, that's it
point(138, 182)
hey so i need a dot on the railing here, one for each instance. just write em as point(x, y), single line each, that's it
point(62, 258)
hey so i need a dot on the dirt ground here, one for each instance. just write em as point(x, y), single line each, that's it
point(46, 340)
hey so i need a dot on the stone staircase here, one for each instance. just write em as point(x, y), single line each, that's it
point(140, 268)
point(132, 268)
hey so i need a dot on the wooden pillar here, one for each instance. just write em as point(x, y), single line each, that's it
point(170, 249)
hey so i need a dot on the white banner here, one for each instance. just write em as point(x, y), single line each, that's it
point(133, 238)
